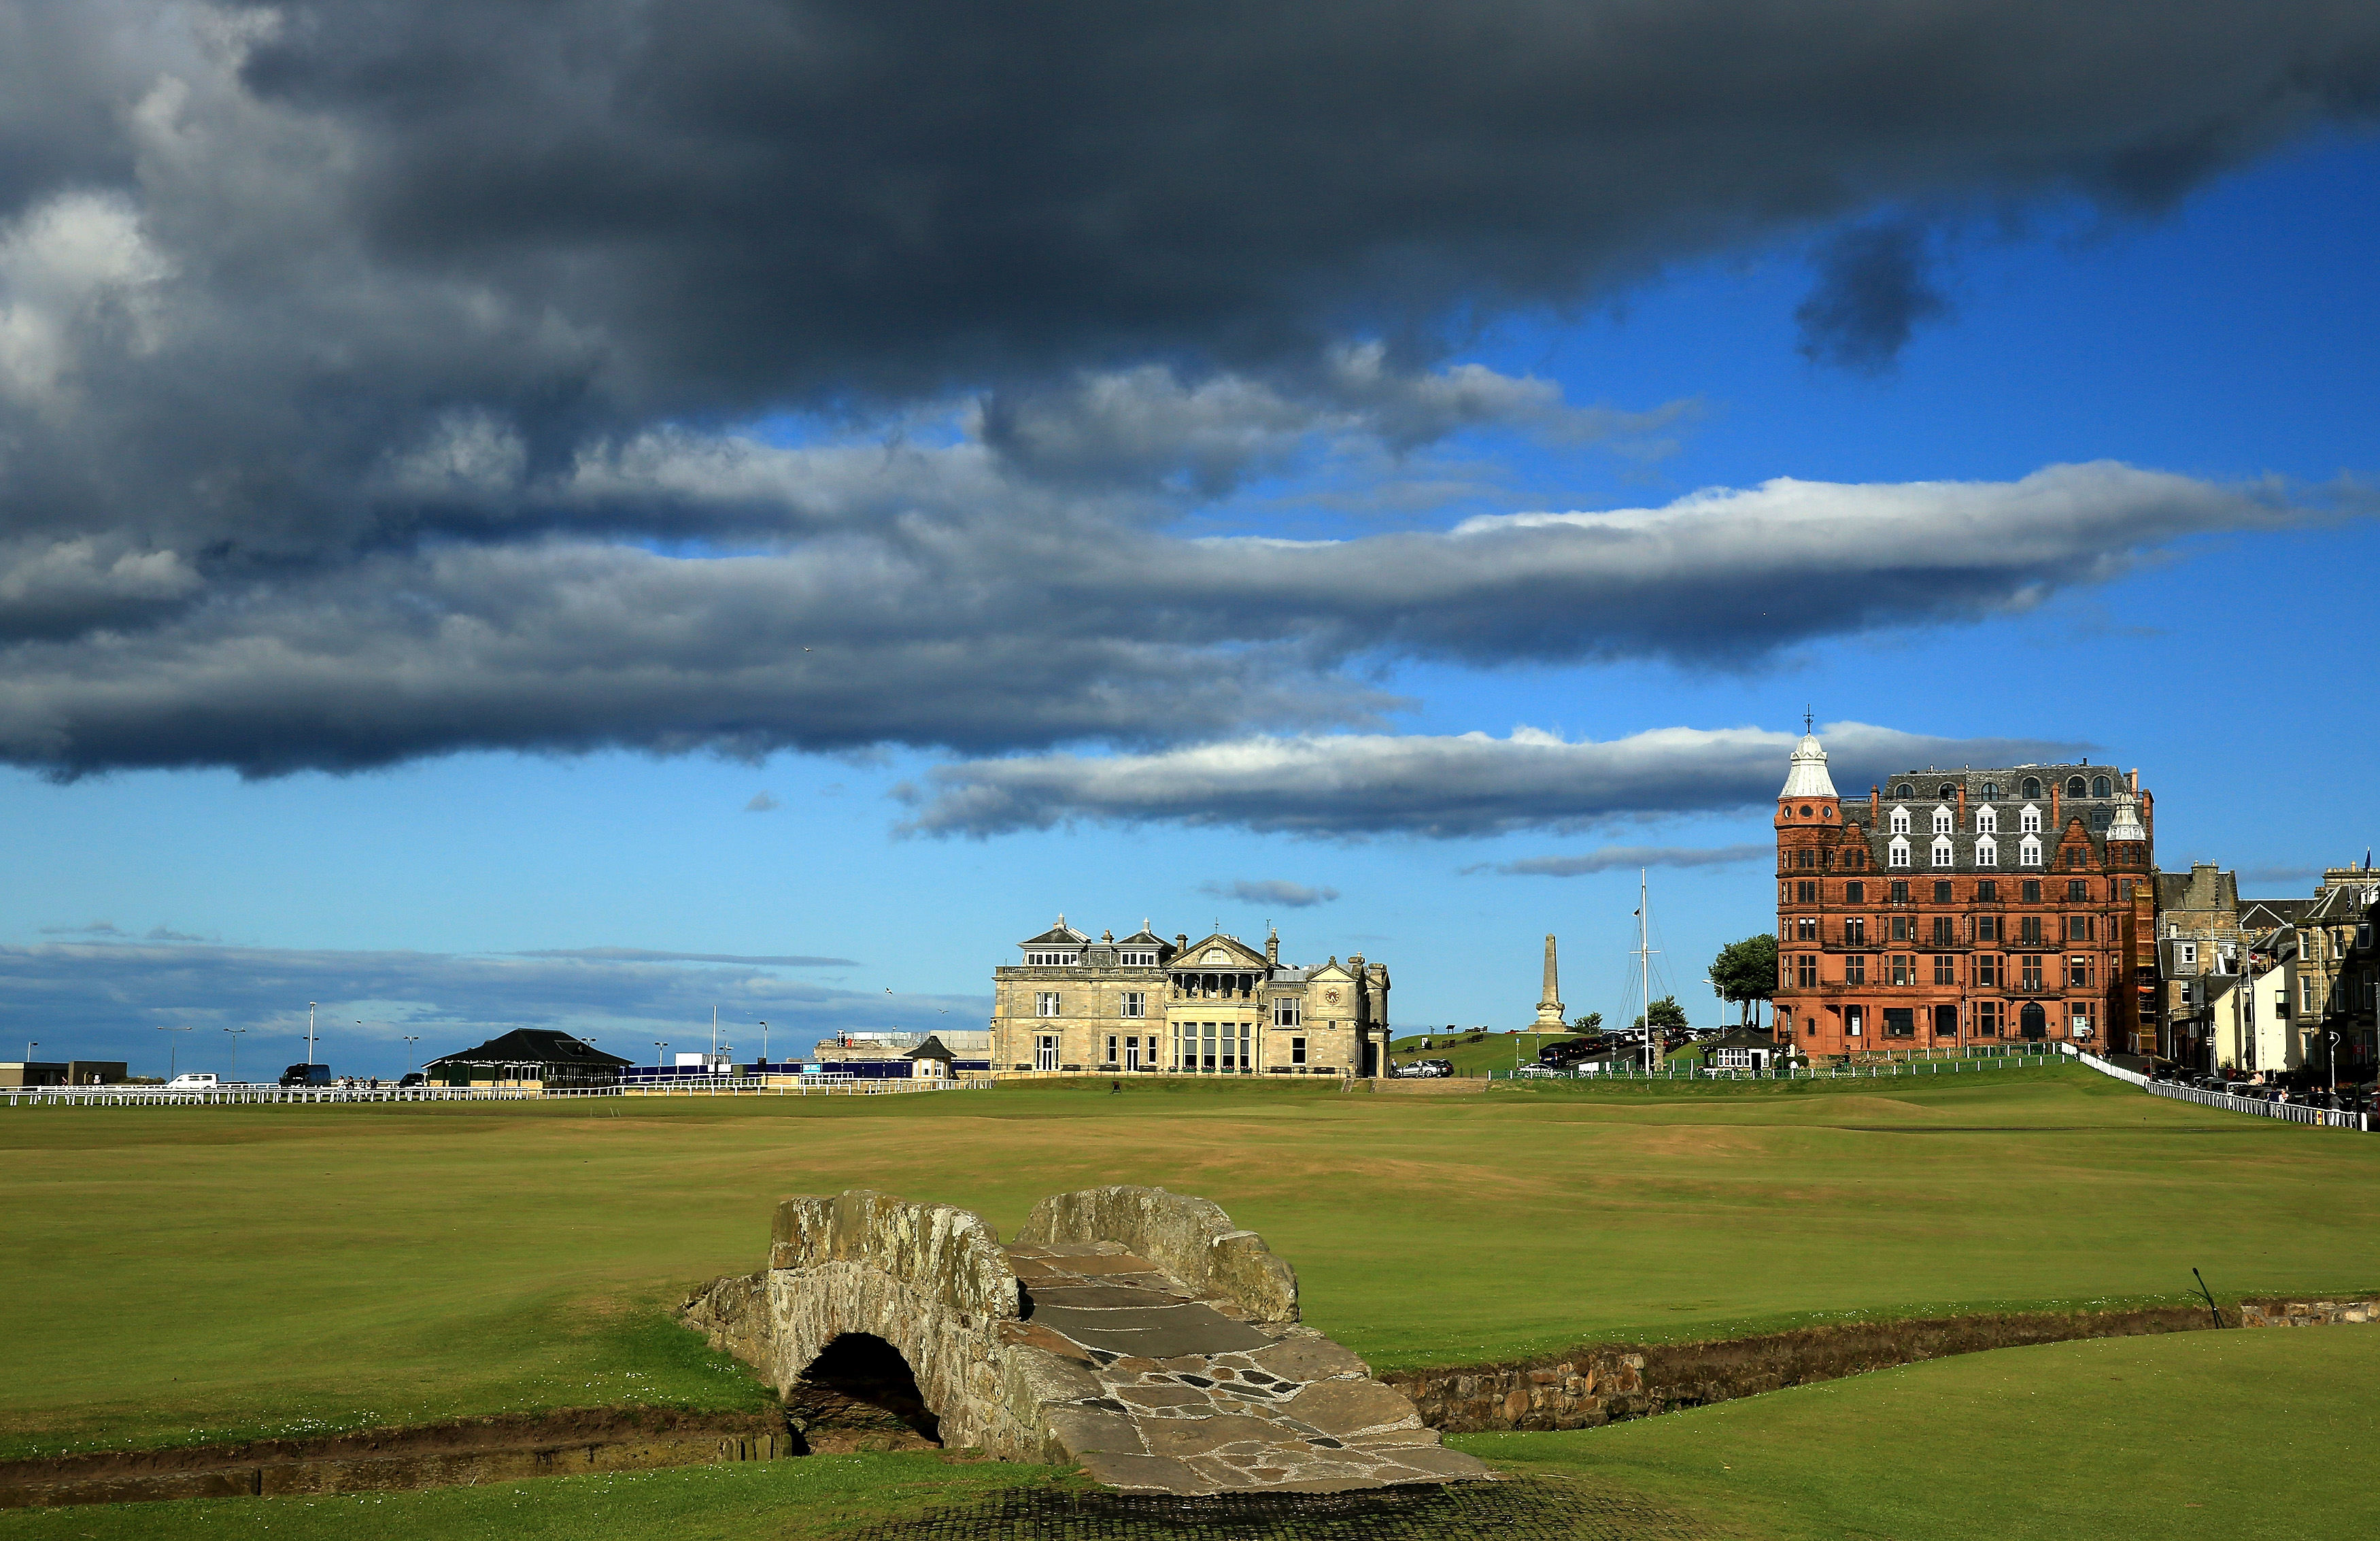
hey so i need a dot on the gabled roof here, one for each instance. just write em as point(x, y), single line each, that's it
point(930, 1049)
point(533, 1046)
point(1059, 935)
point(1237, 954)
point(2264, 915)
point(1739, 1037)
point(1145, 938)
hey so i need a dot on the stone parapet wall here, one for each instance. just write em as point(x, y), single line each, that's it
point(1190, 1238)
point(1599, 1384)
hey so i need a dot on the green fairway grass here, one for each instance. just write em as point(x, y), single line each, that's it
point(2257, 1436)
point(197, 1273)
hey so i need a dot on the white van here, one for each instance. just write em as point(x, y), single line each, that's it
point(195, 1081)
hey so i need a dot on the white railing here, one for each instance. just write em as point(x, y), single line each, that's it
point(2292, 1113)
point(240, 1093)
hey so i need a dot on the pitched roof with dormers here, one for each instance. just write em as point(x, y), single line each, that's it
point(1059, 935)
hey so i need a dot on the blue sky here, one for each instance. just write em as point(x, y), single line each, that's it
point(2232, 338)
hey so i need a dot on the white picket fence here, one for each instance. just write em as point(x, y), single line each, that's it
point(2293, 1113)
point(242, 1093)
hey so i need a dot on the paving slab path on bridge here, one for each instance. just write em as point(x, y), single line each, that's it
point(1134, 1332)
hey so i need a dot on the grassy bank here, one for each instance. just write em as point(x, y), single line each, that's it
point(208, 1272)
point(2230, 1436)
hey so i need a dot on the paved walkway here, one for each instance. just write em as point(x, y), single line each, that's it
point(1195, 1398)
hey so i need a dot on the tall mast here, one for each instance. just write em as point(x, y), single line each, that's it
point(1645, 962)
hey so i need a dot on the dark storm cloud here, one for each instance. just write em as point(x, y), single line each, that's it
point(1872, 292)
point(987, 636)
point(108, 999)
point(366, 372)
point(1352, 785)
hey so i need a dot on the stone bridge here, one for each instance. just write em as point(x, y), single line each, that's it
point(1134, 1332)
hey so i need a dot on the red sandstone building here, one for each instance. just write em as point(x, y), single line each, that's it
point(1958, 908)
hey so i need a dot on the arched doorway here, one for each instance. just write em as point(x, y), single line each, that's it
point(859, 1394)
point(2032, 1021)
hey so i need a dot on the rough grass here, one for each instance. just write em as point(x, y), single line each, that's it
point(817, 1497)
point(210, 1272)
point(2251, 1435)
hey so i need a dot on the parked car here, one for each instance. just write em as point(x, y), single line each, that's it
point(193, 1081)
point(1533, 1072)
point(414, 1079)
point(1423, 1069)
point(306, 1076)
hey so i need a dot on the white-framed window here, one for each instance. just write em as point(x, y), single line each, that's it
point(1942, 851)
point(2028, 853)
point(1943, 820)
point(1132, 1002)
point(1046, 1003)
point(1284, 1013)
point(1987, 851)
point(1131, 958)
point(1899, 855)
point(1987, 821)
point(1900, 821)
point(1051, 959)
point(1045, 1051)
point(2028, 822)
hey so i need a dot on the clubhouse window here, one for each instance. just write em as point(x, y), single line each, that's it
point(2028, 929)
point(1285, 1014)
point(2079, 890)
point(1046, 1003)
point(1806, 929)
point(1854, 894)
point(1900, 1022)
point(1806, 971)
point(1988, 891)
point(1297, 1051)
point(1855, 968)
point(1855, 930)
point(1946, 969)
point(1132, 1002)
point(1805, 893)
point(2029, 892)
point(1854, 1019)
point(1987, 968)
point(1904, 928)
point(1946, 930)
point(1904, 968)
point(1901, 890)
point(1988, 927)
point(1988, 1018)
point(2078, 973)
point(2079, 928)
point(2029, 976)
point(1942, 891)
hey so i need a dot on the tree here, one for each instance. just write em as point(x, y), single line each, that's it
point(1591, 1022)
point(1665, 1012)
point(1746, 972)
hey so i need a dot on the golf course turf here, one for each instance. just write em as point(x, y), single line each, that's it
point(216, 1272)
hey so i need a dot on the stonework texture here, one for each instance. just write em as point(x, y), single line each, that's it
point(1191, 1239)
point(1134, 1333)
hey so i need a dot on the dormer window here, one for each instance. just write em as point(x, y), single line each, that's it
point(1904, 790)
point(1991, 792)
point(1900, 854)
point(2029, 852)
point(2032, 787)
point(1129, 958)
point(1942, 857)
point(1943, 819)
point(1987, 821)
point(2028, 822)
point(1900, 821)
point(2077, 787)
point(1987, 851)
point(1051, 959)
point(2101, 787)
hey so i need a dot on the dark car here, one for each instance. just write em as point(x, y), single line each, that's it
point(415, 1079)
point(306, 1076)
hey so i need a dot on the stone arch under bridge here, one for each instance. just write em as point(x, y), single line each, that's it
point(1137, 1333)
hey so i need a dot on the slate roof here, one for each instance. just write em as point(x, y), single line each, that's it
point(1059, 935)
point(930, 1049)
point(534, 1046)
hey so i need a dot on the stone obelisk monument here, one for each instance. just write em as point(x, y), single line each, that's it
point(1549, 1006)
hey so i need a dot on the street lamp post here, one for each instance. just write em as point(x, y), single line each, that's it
point(309, 1039)
point(659, 1044)
point(764, 1048)
point(410, 1040)
point(173, 1046)
point(236, 1034)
